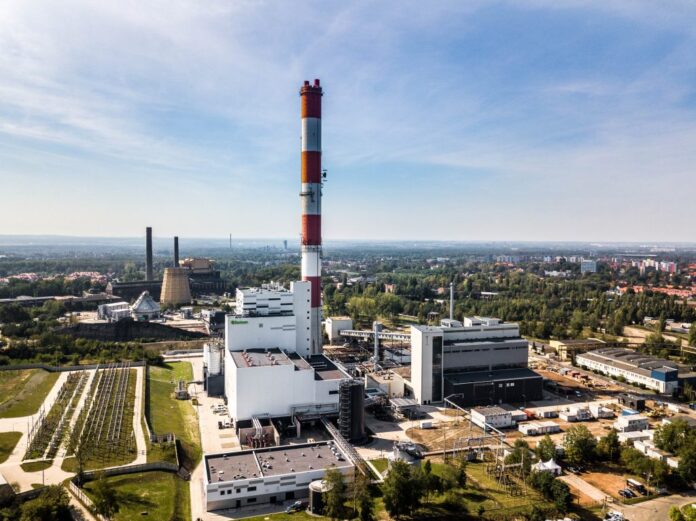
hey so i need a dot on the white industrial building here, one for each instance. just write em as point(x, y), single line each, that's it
point(481, 360)
point(335, 324)
point(539, 428)
point(269, 475)
point(268, 367)
point(632, 422)
point(491, 416)
point(114, 311)
point(637, 368)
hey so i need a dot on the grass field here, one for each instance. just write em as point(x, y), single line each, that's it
point(23, 391)
point(164, 496)
point(8, 441)
point(35, 466)
point(380, 464)
point(166, 414)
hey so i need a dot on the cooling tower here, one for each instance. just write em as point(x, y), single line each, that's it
point(175, 287)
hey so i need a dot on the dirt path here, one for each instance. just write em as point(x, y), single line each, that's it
point(138, 415)
point(583, 486)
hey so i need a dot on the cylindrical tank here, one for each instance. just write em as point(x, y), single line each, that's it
point(317, 490)
point(351, 417)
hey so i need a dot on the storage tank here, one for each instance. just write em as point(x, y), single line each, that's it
point(351, 418)
point(317, 490)
point(212, 358)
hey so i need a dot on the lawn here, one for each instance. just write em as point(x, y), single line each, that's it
point(166, 414)
point(380, 464)
point(160, 496)
point(8, 441)
point(35, 466)
point(23, 391)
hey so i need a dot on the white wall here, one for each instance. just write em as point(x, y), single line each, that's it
point(260, 332)
point(301, 291)
point(336, 324)
point(422, 363)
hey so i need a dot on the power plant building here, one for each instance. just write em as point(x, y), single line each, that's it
point(481, 361)
point(175, 287)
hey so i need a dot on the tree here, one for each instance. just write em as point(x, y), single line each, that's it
point(687, 463)
point(520, 454)
point(609, 447)
point(673, 436)
point(579, 445)
point(51, 505)
point(560, 493)
point(546, 449)
point(105, 498)
point(335, 494)
point(430, 482)
point(402, 493)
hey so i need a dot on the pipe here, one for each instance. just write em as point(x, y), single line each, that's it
point(451, 300)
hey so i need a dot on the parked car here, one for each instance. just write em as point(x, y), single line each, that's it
point(295, 507)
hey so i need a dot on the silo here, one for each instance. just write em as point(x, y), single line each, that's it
point(351, 419)
point(317, 490)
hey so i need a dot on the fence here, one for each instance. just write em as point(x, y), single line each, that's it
point(84, 499)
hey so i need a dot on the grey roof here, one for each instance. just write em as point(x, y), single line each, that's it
point(145, 304)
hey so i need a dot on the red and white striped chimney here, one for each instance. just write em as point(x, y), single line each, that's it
point(310, 197)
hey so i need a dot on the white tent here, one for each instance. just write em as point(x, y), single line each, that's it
point(548, 466)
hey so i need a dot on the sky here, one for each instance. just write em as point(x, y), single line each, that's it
point(466, 120)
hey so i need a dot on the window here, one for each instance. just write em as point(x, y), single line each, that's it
point(251, 489)
point(335, 391)
point(251, 500)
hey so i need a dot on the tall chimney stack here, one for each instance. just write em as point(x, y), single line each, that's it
point(148, 253)
point(310, 197)
point(176, 252)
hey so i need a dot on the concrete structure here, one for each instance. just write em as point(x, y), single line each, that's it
point(493, 416)
point(599, 411)
point(145, 308)
point(175, 287)
point(203, 277)
point(566, 349)
point(539, 428)
point(269, 299)
point(633, 436)
point(269, 475)
point(114, 312)
point(634, 422)
point(481, 360)
point(588, 266)
point(149, 272)
point(654, 373)
point(310, 196)
point(335, 324)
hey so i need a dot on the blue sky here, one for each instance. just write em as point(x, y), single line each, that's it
point(519, 120)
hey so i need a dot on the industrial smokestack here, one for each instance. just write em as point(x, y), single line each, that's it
point(310, 197)
point(148, 254)
point(176, 252)
point(451, 300)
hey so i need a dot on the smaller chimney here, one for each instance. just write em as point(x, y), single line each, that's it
point(148, 254)
point(176, 252)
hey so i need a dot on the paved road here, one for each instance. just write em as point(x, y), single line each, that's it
point(655, 509)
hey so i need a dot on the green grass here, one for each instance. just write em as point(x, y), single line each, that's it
point(163, 495)
point(380, 464)
point(23, 391)
point(166, 414)
point(8, 441)
point(35, 466)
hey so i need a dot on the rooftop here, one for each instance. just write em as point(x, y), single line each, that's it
point(274, 461)
point(634, 361)
point(260, 358)
point(490, 411)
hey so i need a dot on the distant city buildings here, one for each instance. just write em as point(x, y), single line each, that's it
point(588, 266)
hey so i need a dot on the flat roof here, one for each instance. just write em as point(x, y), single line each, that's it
point(490, 411)
point(490, 376)
point(274, 461)
point(325, 369)
point(260, 358)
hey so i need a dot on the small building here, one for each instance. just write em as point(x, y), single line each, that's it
point(335, 324)
point(113, 312)
point(491, 416)
point(599, 411)
point(269, 475)
point(548, 466)
point(632, 401)
point(575, 414)
point(145, 308)
point(539, 428)
point(634, 436)
point(635, 422)
point(565, 349)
